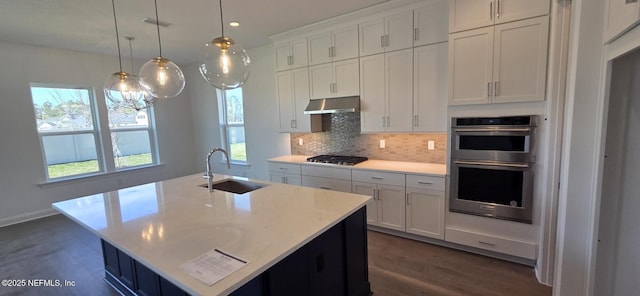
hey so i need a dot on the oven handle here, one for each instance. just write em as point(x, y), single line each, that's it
point(523, 129)
point(500, 164)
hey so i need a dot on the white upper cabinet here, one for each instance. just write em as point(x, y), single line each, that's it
point(335, 45)
point(387, 33)
point(620, 16)
point(470, 14)
point(386, 92)
point(499, 64)
point(337, 79)
point(430, 88)
point(291, 54)
point(292, 88)
point(430, 23)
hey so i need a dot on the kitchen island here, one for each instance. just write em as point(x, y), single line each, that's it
point(294, 239)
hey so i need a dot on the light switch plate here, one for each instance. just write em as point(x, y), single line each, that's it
point(382, 144)
point(431, 145)
point(300, 141)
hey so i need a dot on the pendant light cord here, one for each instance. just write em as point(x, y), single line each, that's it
point(130, 51)
point(155, 2)
point(221, 21)
point(115, 20)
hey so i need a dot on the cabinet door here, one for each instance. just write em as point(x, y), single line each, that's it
point(399, 90)
point(284, 92)
point(320, 48)
point(345, 43)
point(399, 31)
point(372, 205)
point(299, 53)
point(470, 66)
point(320, 80)
point(372, 93)
point(147, 281)
point(391, 207)
point(430, 88)
point(300, 83)
point(372, 37)
point(431, 23)
point(346, 78)
point(293, 179)
point(283, 51)
point(620, 16)
point(277, 177)
point(520, 60)
point(513, 10)
point(425, 212)
point(327, 263)
point(470, 14)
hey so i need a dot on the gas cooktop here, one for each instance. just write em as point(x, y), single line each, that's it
point(337, 159)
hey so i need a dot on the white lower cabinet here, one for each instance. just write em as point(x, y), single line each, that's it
point(284, 173)
point(504, 245)
point(425, 206)
point(425, 212)
point(329, 178)
point(387, 208)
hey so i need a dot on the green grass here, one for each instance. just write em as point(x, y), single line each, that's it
point(91, 166)
point(239, 151)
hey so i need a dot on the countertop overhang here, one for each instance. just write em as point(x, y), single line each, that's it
point(165, 224)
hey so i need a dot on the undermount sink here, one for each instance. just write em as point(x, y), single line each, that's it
point(235, 186)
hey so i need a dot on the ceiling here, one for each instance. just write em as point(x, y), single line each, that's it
point(88, 26)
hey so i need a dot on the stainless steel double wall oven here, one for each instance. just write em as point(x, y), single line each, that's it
point(492, 166)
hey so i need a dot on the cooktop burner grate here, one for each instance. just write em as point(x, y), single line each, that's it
point(337, 159)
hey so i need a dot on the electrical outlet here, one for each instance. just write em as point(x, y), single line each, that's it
point(300, 141)
point(382, 144)
point(431, 145)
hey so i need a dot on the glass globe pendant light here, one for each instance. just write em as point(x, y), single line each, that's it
point(120, 87)
point(138, 99)
point(223, 62)
point(159, 76)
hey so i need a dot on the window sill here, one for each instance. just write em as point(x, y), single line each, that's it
point(236, 164)
point(97, 176)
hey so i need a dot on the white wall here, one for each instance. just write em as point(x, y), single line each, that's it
point(260, 112)
point(21, 162)
point(580, 159)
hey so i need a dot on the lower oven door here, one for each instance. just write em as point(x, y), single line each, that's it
point(492, 189)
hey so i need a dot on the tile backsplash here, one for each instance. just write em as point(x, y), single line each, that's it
point(344, 138)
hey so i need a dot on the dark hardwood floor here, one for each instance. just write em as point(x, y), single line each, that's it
point(56, 248)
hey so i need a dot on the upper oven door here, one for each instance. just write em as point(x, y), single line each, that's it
point(506, 144)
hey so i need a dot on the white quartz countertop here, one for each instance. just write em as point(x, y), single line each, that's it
point(378, 165)
point(168, 223)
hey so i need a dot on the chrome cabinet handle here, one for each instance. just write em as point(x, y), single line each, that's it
point(416, 34)
point(415, 120)
point(283, 169)
point(383, 121)
point(491, 10)
point(378, 194)
point(498, 10)
point(489, 89)
point(487, 244)
point(631, 1)
point(387, 38)
point(329, 48)
point(408, 197)
point(495, 86)
point(382, 41)
point(425, 183)
point(498, 164)
point(326, 188)
point(292, 60)
point(377, 178)
point(374, 194)
point(388, 121)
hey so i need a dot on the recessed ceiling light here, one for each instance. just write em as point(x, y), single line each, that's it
point(234, 24)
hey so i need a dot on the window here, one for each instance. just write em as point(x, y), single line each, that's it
point(232, 124)
point(131, 136)
point(69, 131)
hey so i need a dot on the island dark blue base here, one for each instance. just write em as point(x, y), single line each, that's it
point(334, 263)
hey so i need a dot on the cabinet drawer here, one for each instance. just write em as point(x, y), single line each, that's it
point(327, 172)
point(492, 243)
point(284, 167)
point(326, 183)
point(426, 182)
point(378, 177)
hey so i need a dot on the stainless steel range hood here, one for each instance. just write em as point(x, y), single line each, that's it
point(333, 105)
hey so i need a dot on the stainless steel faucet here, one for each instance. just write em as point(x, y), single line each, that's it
point(209, 172)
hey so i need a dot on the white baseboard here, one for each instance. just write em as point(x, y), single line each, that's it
point(27, 217)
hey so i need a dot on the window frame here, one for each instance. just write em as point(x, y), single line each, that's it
point(225, 125)
point(101, 133)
